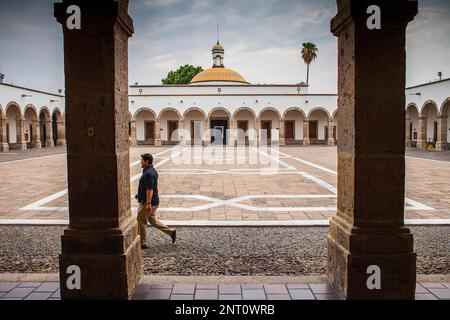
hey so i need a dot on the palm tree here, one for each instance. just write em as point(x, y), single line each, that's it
point(309, 53)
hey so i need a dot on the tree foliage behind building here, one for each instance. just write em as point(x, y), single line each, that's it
point(183, 75)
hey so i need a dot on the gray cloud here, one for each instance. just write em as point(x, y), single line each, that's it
point(262, 39)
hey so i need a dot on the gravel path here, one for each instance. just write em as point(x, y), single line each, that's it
point(218, 251)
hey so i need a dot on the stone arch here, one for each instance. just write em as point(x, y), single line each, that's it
point(169, 109)
point(335, 115)
point(269, 109)
point(13, 104)
point(445, 104)
point(57, 113)
point(144, 109)
point(2, 115)
point(242, 109)
point(33, 108)
point(219, 109)
point(46, 112)
point(293, 109)
point(426, 104)
point(194, 109)
point(319, 109)
point(412, 105)
point(58, 133)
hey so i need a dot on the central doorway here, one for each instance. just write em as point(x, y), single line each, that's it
point(219, 129)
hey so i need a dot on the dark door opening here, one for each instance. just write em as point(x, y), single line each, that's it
point(267, 126)
point(171, 127)
point(289, 131)
point(218, 132)
point(313, 131)
point(242, 132)
point(149, 132)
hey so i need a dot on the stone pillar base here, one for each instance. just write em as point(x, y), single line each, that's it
point(61, 142)
point(36, 145)
point(391, 249)
point(20, 146)
point(206, 143)
point(306, 142)
point(110, 262)
point(158, 143)
point(4, 146)
point(442, 146)
point(133, 142)
point(282, 142)
point(408, 143)
point(422, 145)
point(49, 143)
point(331, 142)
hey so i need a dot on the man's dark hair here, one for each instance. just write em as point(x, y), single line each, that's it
point(147, 157)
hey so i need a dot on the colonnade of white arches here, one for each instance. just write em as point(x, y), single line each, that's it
point(293, 126)
point(428, 126)
point(31, 128)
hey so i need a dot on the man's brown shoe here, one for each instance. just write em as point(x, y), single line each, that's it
point(174, 236)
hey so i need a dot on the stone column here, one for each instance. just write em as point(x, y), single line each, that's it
point(21, 144)
point(181, 138)
point(441, 143)
point(282, 138)
point(36, 139)
point(331, 141)
point(367, 237)
point(49, 133)
point(257, 131)
point(206, 133)
point(306, 133)
point(60, 138)
point(232, 133)
point(3, 136)
point(158, 142)
point(101, 246)
point(133, 137)
point(408, 138)
point(422, 134)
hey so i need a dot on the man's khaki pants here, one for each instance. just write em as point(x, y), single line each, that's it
point(154, 221)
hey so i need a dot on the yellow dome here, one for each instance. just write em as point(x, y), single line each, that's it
point(219, 74)
point(218, 47)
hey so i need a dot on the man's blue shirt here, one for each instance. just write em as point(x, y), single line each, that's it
point(148, 180)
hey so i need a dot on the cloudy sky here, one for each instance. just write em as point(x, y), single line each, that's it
point(262, 40)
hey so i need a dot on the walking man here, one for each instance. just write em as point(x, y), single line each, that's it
point(148, 199)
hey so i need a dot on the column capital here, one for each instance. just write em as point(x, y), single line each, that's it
point(394, 13)
point(100, 12)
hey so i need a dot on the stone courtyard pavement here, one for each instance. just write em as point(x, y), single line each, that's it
point(224, 189)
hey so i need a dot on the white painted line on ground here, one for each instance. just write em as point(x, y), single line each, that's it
point(307, 162)
point(224, 223)
point(35, 158)
point(320, 182)
point(276, 159)
point(417, 205)
point(38, 204)
point(446, 162)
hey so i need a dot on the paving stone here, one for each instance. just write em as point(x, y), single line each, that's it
point(38, 296)
point(158, 294)
point(18, 293)
point(429, 285)
point(327, 296)
point(447, 285)
point(442, 294)
point(297, 286)
point(206, 295)
point(183, 289)
point(161, 286)
point(301, 294)
point(425, 296)
point(252, 286)
point(207, 286)
point(421, 289)
point(29, 284)
point(278, 297)
point(56, 294)
point(182, 297)
point(230, 289)
point(321, 288)
point(142, 289)
point(8, 286)
point(48, 287)
point(257, 294)
point(230, 297)
point(275, 289)
point(11, 299)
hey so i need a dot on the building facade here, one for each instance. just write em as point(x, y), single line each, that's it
point(219, 106)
